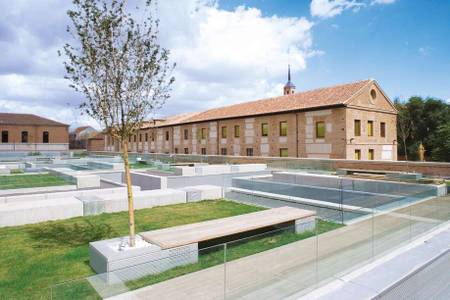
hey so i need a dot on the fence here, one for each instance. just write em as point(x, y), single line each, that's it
point(427, 168)
point(279, 263)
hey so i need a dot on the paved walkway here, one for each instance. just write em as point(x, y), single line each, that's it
point(284, 271)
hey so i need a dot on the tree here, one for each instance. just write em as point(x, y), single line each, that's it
point(404, 125)
point(441, 141)
point(120, 68)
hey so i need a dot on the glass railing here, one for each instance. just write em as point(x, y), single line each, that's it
point(275, 262)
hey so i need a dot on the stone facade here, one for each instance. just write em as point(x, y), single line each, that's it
point(316, 132)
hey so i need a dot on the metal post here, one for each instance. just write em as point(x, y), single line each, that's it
point(225, 271)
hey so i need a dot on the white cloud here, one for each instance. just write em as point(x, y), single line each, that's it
point(330, 8)
point(222, 56)
point(225, 57)
point(382, 2)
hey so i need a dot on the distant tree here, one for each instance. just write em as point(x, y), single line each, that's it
point(117, 63)
point(441, 143)
point(421, 120)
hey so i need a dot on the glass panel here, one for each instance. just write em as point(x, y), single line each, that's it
point(264, 129)
point(370, 128)
point(320, 129)
point(224, 132)
point(237, 131)
point(283, 128)
point(357, 126)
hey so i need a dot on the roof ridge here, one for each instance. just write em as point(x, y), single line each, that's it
point(287, 96)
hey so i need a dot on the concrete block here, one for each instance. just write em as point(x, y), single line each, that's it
point(248, 168)
point(20, 213)
point(184, 171)
point(4, 170)
point(144, 259)
point(87, 181)
point(212, 169)
point(305, 224)
point(12, 192)
point(202, 192)
point(148, 181)
point(118, 202)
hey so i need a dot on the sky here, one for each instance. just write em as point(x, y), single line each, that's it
point(230, 51)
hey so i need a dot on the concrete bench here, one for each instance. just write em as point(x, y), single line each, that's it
point(163, 249)
point(209, 230)
point(20, 213)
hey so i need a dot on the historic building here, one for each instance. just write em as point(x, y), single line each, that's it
point(26, 132)
point(348, 121)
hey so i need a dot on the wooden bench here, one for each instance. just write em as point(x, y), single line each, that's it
point(209, 230)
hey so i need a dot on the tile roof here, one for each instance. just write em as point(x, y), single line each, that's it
point(26, 119)
point(171, 120)
point(328, 96)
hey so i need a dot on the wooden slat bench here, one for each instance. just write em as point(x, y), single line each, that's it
point(199, 232)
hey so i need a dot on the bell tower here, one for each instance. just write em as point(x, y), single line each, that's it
point(289, 87)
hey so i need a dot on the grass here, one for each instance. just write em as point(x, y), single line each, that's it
point(35, 257)
point(140, 165)
point(29, 181)
point(145, 165)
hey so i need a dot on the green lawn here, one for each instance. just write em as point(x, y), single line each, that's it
point(140, 165)
point(29, 181)
point(35, 257)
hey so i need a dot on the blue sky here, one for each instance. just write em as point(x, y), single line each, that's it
point(230, 51)
point(405, 45)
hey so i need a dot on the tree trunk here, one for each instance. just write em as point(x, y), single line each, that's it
point(129, 192)
point(406, 151)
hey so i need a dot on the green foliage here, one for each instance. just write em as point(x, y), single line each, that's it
point(16, 171)
point(423, 121)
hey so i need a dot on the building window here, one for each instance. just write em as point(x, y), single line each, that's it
point(357, 126)
point(358, 154)
point(383, 129)
point(45, 137)
point(140, 137)
point(24, 136)
point(223, 151)
point(5, 136)
point(146, 137)
point(224, 132)
point(203, 151)
point(264, 129)
point(283, 128)
point(129, 139)
point(320, 130)
point(237, 131)
point(167, 135)
point(369, 128)
point(203, 133)
point(186, 150)
point(134, 138)
point(153, 136)
point(176, 150)
point(371, 154)
point(186, 134)
point(249, 151)
point(284, 152)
